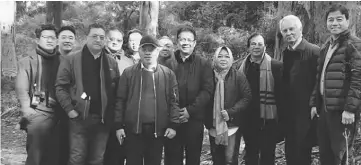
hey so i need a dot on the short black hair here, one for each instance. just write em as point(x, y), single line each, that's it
point(134, 31)
point(114, 28)
point(338, 7)
point(186, 29)
point(45, 27)
point(70, 28)
point(95, 26)
point(252, 36)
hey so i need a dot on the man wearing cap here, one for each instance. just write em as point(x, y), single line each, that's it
point(146, 109)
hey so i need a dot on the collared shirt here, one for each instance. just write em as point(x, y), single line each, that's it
point(184, 58)
point(151, 67)
point(296, 43)
point(330, 51)
point(96, 56)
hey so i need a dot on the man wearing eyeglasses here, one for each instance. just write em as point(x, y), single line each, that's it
point(195, 83)
point(115, 153)
point(85, 88)
point(35, 90)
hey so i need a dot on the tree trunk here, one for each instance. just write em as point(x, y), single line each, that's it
point(54, 11)
point(8, 55)
point(149, 11)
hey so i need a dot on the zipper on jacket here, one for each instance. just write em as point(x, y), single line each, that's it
point(155, 107)
point(140, 98)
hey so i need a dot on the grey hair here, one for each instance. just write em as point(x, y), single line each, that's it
point(293, 18)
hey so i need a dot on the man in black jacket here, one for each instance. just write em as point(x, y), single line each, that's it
point(195, 81)
point(337, 93)
point(299, 74)
point(262, 118)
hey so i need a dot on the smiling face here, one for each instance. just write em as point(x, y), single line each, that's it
point(256, 46)
point(149, 54)
point(337, 22)
point(96, 39)
point(47, 40)
point(114, 40)
point(223, 59)
point(167, 47)
point(66, 40)
point(186, 42)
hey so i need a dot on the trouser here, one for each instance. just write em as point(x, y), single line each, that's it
point(189, 139)
point(114, 152)
point(261, 143)
point(298, 151)
point(144, 147)
point(88, 140)
point(41, 140)
point(332, 143)
point(226, 155)
point(63, 130)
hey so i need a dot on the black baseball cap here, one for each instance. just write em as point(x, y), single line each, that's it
point(149, 40)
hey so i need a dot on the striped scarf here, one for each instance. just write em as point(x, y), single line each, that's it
point(268, 108)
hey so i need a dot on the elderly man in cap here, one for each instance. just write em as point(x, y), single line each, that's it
point(146, 106)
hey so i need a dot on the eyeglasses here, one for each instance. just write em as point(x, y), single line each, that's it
point(95, 37)
point(114, 39)
point(184, 40)
point(49, 37)
point(253, 44)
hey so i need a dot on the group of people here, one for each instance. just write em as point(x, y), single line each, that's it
point(111, 103)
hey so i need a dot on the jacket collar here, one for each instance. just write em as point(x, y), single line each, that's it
point(179, 58)
point(302, 45)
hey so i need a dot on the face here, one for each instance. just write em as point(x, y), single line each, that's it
point(167, 47)
point(223, 59)
point(96, 39)
point(337, 22)
point(186, 42)
point(115, 40)
point(47, 40)
point(148, 54)
point(134, 41)
point(66, 40)
point(257, 46)
point(290, 31)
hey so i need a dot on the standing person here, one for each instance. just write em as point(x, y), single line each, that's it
point(114, 152)
point(337, 92)
point(231, 97)
point(35, 90)
point(196, 87)
point(66, 41)
point(147, 106)
point(85, 87)
point(167, 52)
point(131, 47)
point(265, 112)
point(299, 78)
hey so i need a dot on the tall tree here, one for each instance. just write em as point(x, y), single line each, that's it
point(8, 56)
point(54, 10)
point(149, 11)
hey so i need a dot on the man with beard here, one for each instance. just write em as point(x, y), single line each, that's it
point(66, 39)
point(85, 87)
point(299, 78)
point(114, 152)
point(35, 90)
point(337, 94)
point(132, 45)
point(167, 52)
point(196, 87)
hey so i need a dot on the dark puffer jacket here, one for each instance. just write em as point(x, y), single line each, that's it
point(237, 95)
point(342, 82)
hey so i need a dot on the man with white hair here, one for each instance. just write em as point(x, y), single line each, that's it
point(299, 76)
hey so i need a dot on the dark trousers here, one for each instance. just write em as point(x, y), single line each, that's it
point(226, 155)
point(63, 130)
point(144, 148)
point(114, 152)
point(332, 143)
point(189, 139)
point(88, 140)
point(41, 140)
point(261, 143)
point(298, 151)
